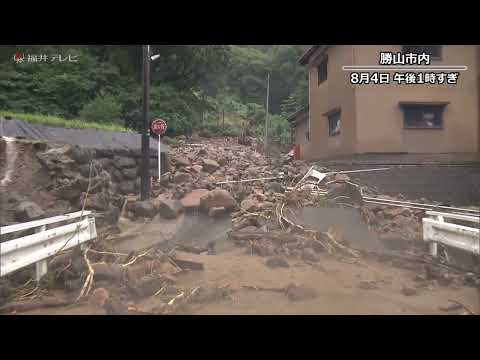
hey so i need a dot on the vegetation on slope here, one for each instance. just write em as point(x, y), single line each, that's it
point(215, 89)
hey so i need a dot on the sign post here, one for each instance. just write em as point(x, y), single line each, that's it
point(159, 127)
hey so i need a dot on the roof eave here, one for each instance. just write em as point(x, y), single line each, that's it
point(307, 54)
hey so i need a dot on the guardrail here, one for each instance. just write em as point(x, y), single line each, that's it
point(37, 248)
point(437, 230)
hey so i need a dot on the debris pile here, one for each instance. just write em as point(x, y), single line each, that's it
point(216, 177)
point(112, 281)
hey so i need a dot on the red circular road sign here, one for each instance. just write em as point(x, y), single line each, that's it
point(159, 126)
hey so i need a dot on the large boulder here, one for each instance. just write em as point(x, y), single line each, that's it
point(182, 161)
point(102, 181)
point(123, 162)
point(169, 209)
point(104, 163)
point(99, 297)
point(197, 168)
point(310, 255)
point(126, 187)
point(223, 161)
point(181, 177)
point(117, 175)
point(100, 201)
point(109, 217)
point(202, 152)
point(104, 153)
point(82, 155)
point(210, 165)
point(84, 170)
point(346, 192)
point(218, 198)
point(56, 158)
point(192, 199)
point(72, 189)
point(274, 187)
point(145, 286)
point(28, 211)
point(249, 205)
point(129, 174)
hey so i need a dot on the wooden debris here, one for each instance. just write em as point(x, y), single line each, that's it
point(274, 236)
point(89, 280)
point(259, 288)
point(191, 265)
point(191, 249)
point(32, 305)
point(136, 258)
point(457, 306)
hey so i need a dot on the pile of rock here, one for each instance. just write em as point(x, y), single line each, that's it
point(394, 220)
point(196, 170)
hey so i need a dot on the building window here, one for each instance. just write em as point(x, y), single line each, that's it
point(322, 70)
point(435, 51)
point(423, 116)
point(334, 124)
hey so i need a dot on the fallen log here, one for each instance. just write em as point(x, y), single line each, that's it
point(191, 249)
point(23, 306)
point(109, 272)
point(260, 288)
point(457, 306)
point(423, 259)
point(257, 235)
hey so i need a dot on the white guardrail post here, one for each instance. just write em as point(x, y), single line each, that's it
point(41, 267)
point(37, 248)
point(437, 230)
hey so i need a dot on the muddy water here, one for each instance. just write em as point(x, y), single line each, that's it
point(347, 220)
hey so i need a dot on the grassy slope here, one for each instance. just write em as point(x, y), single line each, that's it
point(61, 122)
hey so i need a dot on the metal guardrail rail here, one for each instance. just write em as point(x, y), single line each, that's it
point(37, 248)
point(437, 230)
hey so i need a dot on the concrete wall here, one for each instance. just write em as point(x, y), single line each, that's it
point(335, 92)
point(453, 185)
point(380, 118)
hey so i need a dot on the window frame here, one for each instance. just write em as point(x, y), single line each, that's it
point(320, 71)
point(438, 108)
point(330, 117)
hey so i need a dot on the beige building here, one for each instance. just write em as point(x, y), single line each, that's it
point(345, 118)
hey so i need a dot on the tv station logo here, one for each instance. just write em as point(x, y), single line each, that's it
point(405, 69)
point(20, 58)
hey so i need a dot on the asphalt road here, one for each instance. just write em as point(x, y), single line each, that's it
point(88, 138)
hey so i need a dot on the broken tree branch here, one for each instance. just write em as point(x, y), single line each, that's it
point(89, 280)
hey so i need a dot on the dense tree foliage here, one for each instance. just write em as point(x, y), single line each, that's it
point(216, 87)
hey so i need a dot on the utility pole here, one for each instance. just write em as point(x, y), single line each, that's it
point(266, 115)
point(145, 170)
